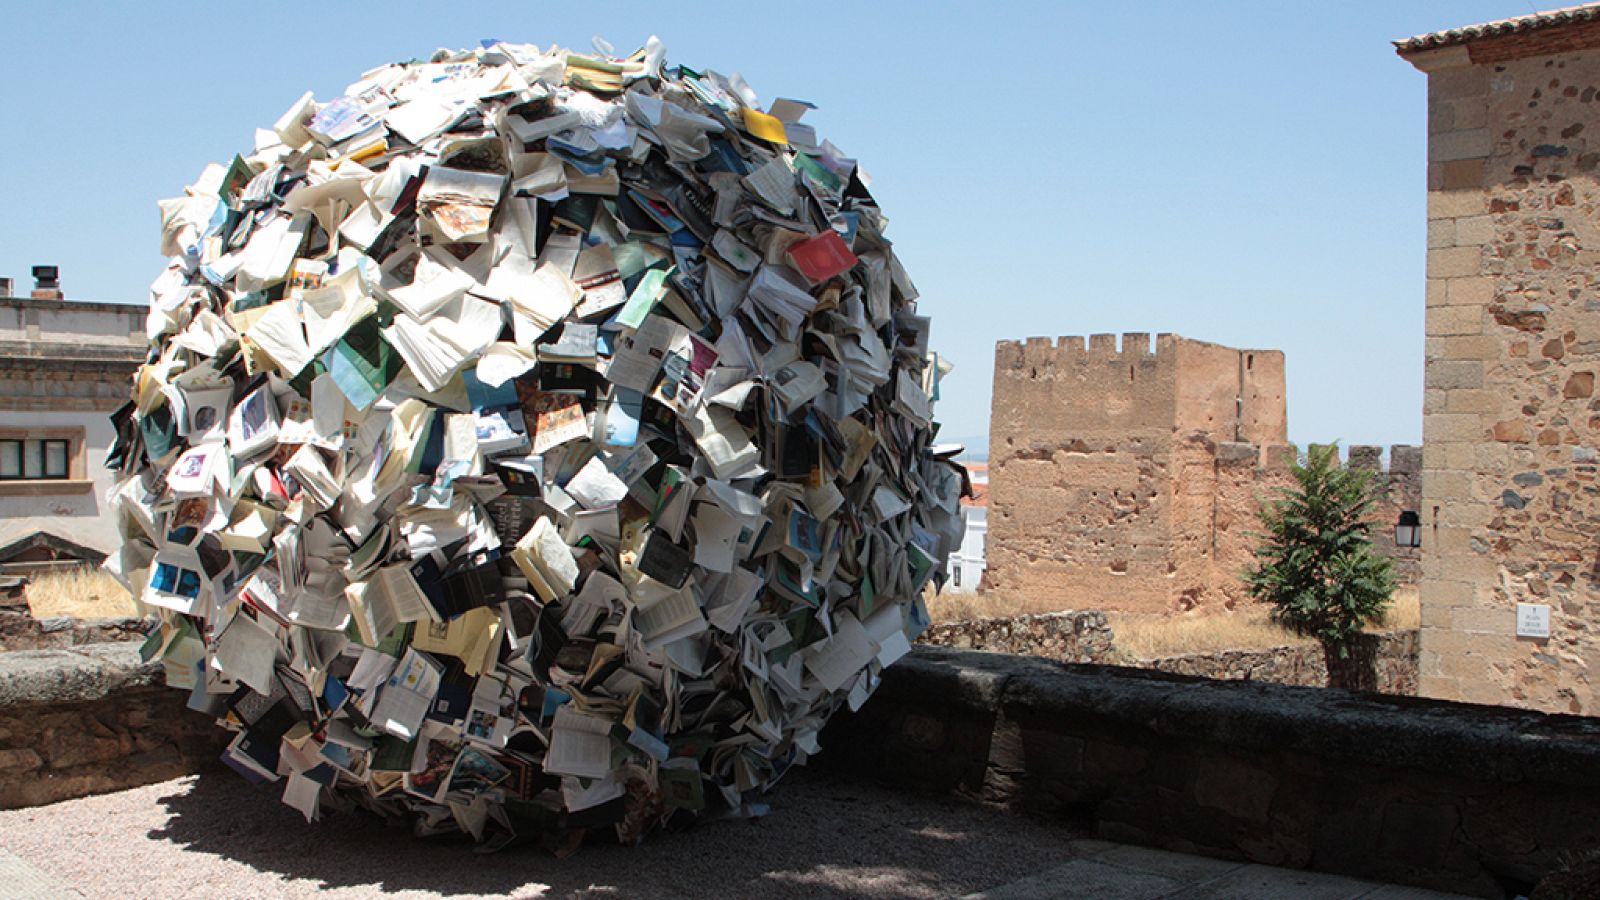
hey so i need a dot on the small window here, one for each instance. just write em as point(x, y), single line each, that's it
point(35, 459)
point(955, 576)
point(55, 459)
point(10, 459)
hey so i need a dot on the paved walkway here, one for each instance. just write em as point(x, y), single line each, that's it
point(215, 836)
point(1107, 871)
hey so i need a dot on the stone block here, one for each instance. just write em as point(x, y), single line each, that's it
point(1446, 484)
point(1448, 539)
point(1443, 321)
point(1441, 233)
point(1453, 204)
point(1473, 401)
point(1469, 112)
point(1437, 293)
point(1477, 685)
point(33, 677)
point(1434, 617)
point(1433, 454)
point(1478, 620)
point(1460, 175)
point(1405, 458)
point(1453, 427)
point(1454, 262)
point(1457, 84)
point(1438, 686)
point(1445, 594)
point(1479, 347)
point(1234, 787)
point(1420, 832)
point(1441, 117)
point(1474, 290)
point(1450, 374)
point(1474, 230)
point(1364, 456)
point(1461, 512)
point(1471, 143)
point(19, 759)
point(1237, 453)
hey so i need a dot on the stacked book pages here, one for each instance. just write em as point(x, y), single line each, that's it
point(532, 443)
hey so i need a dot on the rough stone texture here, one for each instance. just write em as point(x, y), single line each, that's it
point(1064, 636)
point(89, 720)
point(1385, 663)
point(1126, 479)
point(1480, 800)
point(1511, 503)
point(19, 630)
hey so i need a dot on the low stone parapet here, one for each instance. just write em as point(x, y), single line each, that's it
point(1385, 663)
point(1474, 799)
point(1082, 636)
point(92, 719)
point(20, 631)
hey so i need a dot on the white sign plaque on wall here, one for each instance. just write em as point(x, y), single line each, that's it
point(1533, 620)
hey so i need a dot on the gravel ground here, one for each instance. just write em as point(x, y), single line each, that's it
point(216, 836)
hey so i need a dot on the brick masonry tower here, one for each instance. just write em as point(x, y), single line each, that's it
point(1103, 462)
point(1121, 478)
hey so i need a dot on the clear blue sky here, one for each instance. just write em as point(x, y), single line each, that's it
point(1250, 174)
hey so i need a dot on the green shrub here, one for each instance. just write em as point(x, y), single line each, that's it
point(1315, 564)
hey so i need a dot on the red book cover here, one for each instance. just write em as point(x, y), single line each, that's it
point(821, 257)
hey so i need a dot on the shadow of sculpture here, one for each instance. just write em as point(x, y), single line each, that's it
point(826, 837)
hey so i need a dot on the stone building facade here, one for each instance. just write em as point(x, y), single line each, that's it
point(1511, 500)
point(64, 368)
point(1126, 478)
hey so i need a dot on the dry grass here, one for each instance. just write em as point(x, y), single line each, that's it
point(966, 607)
point(1152, 636)
point(1248, 628)
point(1405, 612)
point(1147, 636)
point(82, 593)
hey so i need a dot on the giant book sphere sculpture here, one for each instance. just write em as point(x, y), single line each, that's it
point(532, 443)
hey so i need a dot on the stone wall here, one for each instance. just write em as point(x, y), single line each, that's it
point(1478, 800)
point(1064, 636)
point(1385, 663)
point(93, 719)
point(1131, 480)
point(1089, 452)
point(19, 630)
point(1511, 501)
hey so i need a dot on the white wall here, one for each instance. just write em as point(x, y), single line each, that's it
point(76, 516)
point(966, 565)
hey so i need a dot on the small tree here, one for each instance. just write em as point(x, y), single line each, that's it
point(1315, 563)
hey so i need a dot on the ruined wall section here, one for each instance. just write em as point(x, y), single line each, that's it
point(1229, 394)
point(1221, 487)
point(1078, 448)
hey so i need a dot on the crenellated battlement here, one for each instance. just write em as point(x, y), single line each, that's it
point(1130, 470)
point(1077, 350)
point(1404, 460)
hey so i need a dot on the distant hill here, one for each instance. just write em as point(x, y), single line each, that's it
point(977, 447)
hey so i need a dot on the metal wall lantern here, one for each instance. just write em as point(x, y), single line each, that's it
point(1408, 530)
